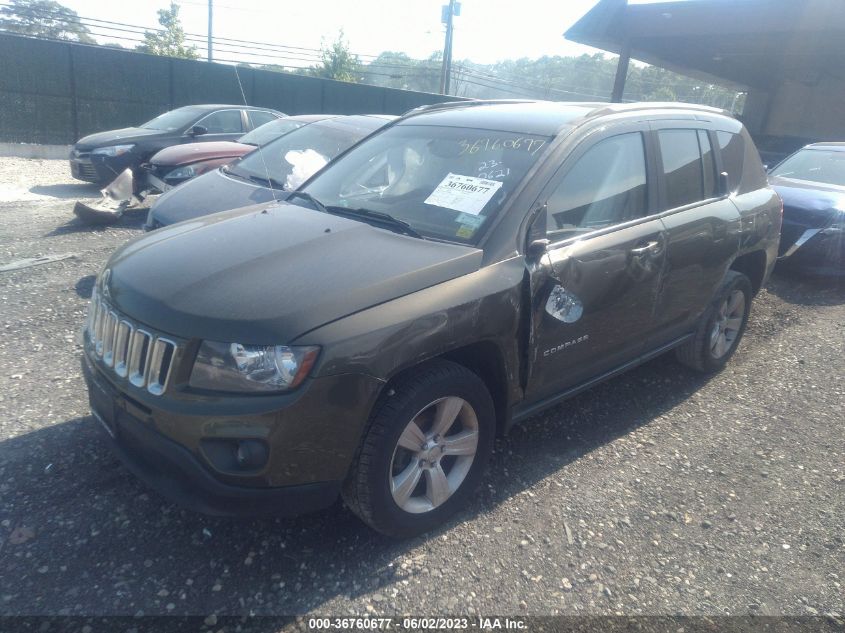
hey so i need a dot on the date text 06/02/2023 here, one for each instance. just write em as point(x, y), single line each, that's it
point(417, 624)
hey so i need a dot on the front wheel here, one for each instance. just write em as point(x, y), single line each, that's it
point(426, 449)
point(721, 328)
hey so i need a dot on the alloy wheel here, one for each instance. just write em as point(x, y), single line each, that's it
point(434, 454)
point(728, 324)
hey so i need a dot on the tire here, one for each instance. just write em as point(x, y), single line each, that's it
point(409, 410)
point(718, 336)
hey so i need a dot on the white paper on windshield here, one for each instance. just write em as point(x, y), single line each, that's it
point(463, 193)
point(305, 164)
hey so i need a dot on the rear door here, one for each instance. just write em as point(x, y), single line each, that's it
point(595, 290)
point(702, 226)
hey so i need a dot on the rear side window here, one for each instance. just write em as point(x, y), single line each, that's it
point(732, 149)
point(606, 186)
point(682, 167)
point(223, 122)
point(260, 117)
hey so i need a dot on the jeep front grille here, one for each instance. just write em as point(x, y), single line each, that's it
point(128, 349)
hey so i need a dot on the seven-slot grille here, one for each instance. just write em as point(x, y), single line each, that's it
point(130, 351)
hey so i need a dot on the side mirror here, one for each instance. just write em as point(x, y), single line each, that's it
point(536, 238)
point(198, 130)
point(724, 184)
point(536, 249)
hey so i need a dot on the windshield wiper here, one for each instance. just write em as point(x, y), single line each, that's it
point(307, 196)
point(376, 216)
point(266, 181)
point(379, 216)
point(227, 169)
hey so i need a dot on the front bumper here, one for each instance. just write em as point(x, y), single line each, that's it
point(100, 169)
point(152, 179)
point(818, 250)
point(312, 442)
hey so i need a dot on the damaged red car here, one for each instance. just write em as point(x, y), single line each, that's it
point(178, 163)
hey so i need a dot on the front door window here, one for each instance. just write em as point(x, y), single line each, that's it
point(606, 186)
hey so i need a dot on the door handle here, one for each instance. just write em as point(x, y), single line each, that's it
point(648, 248)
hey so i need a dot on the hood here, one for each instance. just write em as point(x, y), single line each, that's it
point(117, 137)
point(814, 203)
point(209, 193)
point(267, 277)
point(194, 152)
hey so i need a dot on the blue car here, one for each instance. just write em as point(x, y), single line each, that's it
point(811, 183)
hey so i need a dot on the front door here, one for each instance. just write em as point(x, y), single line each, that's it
point(594, 291)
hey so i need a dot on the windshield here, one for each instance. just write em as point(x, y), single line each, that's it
point(263, 134)
point(173, 120)
point(446, 182)
point(815, 165)
point(292, 159)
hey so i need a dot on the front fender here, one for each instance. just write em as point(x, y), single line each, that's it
point(383, 340)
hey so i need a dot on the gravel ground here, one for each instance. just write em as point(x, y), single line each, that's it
point(660, 492)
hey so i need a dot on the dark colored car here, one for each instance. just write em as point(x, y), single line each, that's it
point(101, 157)
point(178, 163)
point(455, 273)
point(774, 149)
point(263, 175)
point(811, 183)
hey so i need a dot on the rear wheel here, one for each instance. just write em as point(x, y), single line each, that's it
point(426, 449)
point(721, 327)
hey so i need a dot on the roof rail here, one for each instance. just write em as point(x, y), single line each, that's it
point(598, 109)
point(446, 105)
point(614, 108)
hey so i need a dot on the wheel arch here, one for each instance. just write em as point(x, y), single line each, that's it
point(753, 266)
point(483, 358)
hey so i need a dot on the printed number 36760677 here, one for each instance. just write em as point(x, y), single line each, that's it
point(463, 186)
point(530, 145)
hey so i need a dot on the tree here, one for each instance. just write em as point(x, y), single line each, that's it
point(337, 62)
point(663, 93)
point(168, 41)
point(44, 18)
point(397, 70)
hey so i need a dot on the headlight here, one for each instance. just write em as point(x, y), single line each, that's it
point(112, 150)
point(236, 367)
point(837, 227)
point(180, 173)
point(189, 171)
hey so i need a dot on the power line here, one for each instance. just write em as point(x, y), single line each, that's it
point(585, 92)
point(299, 58)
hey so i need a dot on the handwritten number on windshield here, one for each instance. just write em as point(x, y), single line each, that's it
point(531, 145)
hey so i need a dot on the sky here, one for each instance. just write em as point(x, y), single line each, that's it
point(486, 31)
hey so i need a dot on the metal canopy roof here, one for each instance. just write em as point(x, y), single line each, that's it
point(738, 43)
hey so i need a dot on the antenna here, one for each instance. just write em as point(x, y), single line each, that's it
point(260, 149)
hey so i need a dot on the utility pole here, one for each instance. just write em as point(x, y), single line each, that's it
point(210, 20)
point(447, 17)
point(621, 74)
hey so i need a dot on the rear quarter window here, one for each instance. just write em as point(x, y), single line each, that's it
point(742, 162)
point(732, 148)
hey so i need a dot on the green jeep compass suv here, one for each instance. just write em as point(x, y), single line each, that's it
point(463, 268)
